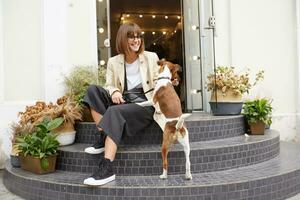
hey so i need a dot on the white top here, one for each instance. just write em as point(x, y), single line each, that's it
point(133, 75)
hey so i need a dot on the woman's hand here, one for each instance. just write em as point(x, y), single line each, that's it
point(117, 98)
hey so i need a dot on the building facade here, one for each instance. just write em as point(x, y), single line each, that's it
point(40, 40)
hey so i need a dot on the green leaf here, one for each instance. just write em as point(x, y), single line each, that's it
point(44, 163)
point(55, 123)
point(42, 127)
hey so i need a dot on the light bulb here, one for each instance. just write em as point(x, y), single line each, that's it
point(102, 62)
point(101, 30)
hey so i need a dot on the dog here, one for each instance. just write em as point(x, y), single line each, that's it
point(169, 103)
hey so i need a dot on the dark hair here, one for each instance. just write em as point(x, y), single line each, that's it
point(126, 29)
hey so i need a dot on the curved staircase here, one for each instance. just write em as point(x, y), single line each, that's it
point(225, 165)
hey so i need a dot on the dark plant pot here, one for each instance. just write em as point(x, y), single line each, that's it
point(257, 128)
point(226, 108)
point(14, 161)
point(33, 164)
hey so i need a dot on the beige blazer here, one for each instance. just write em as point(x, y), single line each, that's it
point(149, 71)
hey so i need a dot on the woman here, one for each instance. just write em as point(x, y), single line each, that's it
point(113, 116)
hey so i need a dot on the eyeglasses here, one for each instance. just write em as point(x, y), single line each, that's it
point(133, 36)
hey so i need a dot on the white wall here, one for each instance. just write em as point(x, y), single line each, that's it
point(69, 39)
point(42, 41)
point(1, 54)
point(262, 35)
point(298, 74)
point(22, 49)
point(20, 57)
point(82, 32)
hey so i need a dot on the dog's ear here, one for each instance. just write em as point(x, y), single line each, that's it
point(161, 62)
point(175, 70)
point(178, 68)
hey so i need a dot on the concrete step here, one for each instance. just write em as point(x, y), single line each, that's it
point(205, 156)
point(278, 178)
point(202, 127)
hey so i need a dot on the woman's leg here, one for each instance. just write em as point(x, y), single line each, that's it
point(98, 100)
point(110, 149)
point(96, 116)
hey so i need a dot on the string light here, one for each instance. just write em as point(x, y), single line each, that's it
point(143, 32)
point(102, 62)
point(153, 33)
point(101, 30)
point(154, 16)
point(122, 18)
point(164, 32)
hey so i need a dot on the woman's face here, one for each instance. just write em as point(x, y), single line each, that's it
point(134, 41)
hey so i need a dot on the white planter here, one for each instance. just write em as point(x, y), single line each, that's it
point(66, 138)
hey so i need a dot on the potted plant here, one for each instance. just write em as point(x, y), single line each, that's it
point(70, 112)
point(227, 88)
point(64, 108)
point(258, 114)
point(14, 156)
point(38, 150)
point(77, 82)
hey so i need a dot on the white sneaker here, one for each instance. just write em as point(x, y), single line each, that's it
point(93, 150)
point(98, 147)
point(103, 175)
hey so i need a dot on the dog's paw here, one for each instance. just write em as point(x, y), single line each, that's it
point(163, 176)
point(188, 176)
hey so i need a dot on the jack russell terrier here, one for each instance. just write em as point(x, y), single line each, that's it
point(169, 103)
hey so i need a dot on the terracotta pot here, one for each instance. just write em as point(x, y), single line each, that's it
point(230, 96)
point(33, 164)
point(86, 115)
point(257, 128)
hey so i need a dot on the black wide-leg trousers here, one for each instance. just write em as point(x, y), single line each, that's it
point(118, 120)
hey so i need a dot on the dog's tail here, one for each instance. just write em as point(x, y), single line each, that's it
point(181, 119)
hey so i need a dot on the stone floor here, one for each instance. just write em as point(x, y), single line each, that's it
point(4, 193)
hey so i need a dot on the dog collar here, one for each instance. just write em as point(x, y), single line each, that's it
point(163, 77)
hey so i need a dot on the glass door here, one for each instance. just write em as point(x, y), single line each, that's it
point(103, 28)
point(199, 51)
